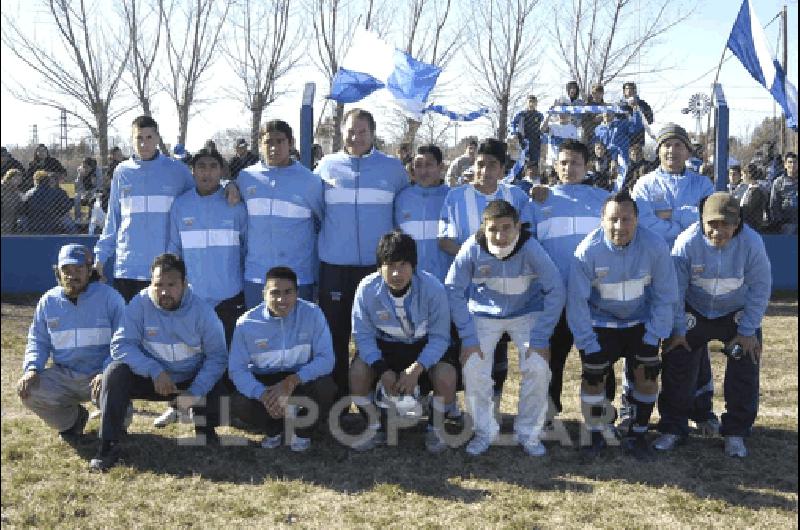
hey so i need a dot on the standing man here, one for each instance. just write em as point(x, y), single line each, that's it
point(243, 159)
point(621, 293)
point(724, 284)
point(570, 211)
point(360, 185)
point(401, 327)
point(462, 163)
point(667, 199)
point(282, 348)
point(73, 324)
point(631, 98)
point(171, 345)
point(137, 223)
point(526, 127)
point(783, 199)
point(494, 286)
point(417, 209)
point(284, 206)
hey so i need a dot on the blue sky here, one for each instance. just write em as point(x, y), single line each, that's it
point(691, 52)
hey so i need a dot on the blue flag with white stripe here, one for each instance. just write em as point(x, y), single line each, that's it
point(748, 42)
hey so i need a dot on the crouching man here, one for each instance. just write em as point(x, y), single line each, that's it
point(724, 283)
point(171, 346)
point(621, 292)
point(282, 349)
point(73, 323)
point(401, 327)
point(493, 284)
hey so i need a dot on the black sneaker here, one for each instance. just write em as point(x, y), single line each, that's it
point(211, 437)
point(77, 428)
point(637, 447)
point(106, 457)
point(590, 452)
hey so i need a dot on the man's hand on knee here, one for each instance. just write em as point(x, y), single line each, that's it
point(467, 351)
point(26, 383)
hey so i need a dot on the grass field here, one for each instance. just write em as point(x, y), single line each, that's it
point(161, 484)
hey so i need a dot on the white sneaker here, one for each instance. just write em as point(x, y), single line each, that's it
point(168, 416)
point(479, 444)
point(271, 442)
point(434, 442)
point(666, 442)
point(534, 447)
point(299, 444)
point(734, 447)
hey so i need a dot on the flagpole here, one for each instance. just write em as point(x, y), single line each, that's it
point(786, 73)
point(716, 78)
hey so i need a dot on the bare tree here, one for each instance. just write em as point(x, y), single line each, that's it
point(334, 22)
point(502, 55)
point(83, 75)
point(429, 40)
point(261, 50)
point(192, 32)
point(598, 40)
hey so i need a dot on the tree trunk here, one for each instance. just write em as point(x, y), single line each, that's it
point(183, 123)
point(337, 127)
point(502, 121)
point(256, 112)
point(412, 127)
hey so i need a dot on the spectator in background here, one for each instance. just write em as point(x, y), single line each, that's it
point(461, 164)
point(44, 206)
point(87, 173)
point(180, 153)
point(526, 127)
point(404, 154)
point(43, 161)
point(591, 120)
point(9, 162)
point(11, 200)
point(316, 155)
point(616, 134)
point(210, 146)
point(735, 185)
point(637, 166)
point(753, 199)
point(244, 158)
point(601, 168)
point(557, 133)
point(573, 96)
point(632, 99)
point(783, 200)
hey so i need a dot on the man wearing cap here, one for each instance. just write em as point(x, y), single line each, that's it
point(667, 199)
point(243, 158)
point(137, 223)
point(526, 127)
point(631, 98)
point(73, 323)
point(724, 285)
point(171, 345)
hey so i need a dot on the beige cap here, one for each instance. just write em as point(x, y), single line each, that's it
point(721, 206)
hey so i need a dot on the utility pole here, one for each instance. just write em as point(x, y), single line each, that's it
point(34, 134)
point(63, 129)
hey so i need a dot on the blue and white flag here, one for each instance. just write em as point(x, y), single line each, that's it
point(748, 42)
point(371, 64)
point(456, 116)
point(585, 109)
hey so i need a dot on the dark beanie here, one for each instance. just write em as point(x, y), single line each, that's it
point(494, 147)
point(673, 130)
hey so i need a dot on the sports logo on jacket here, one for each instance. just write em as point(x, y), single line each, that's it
point(406, 215)
point(697, 270)
point(383, 315)
point(484, 270)
point(261, 344)
point(251, 190)
point(188, 221)
point(53, 323)
point(601, 272)
point(151, 331)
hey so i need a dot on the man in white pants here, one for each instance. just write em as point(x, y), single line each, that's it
point(491, 286)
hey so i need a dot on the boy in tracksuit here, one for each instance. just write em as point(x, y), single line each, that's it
point(621, 292)
point(401, 327)
point(724, 283)
point(570, 211)
point(137, 223)
point(360, 185)
point(284, 207)
point(494, 286)
point(171, 345)
point(282, 348)
point(73, 324)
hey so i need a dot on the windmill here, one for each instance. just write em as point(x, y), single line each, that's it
point(699, 106)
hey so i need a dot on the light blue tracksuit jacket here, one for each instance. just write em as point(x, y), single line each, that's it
point(137, 223)
point(77, 336)
point(188, 343)
point(718, 281)
point(621, 287)
point(416, 212)
point(265, 344)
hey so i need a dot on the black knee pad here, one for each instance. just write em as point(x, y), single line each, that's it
point(652, 366)
point(594, 374)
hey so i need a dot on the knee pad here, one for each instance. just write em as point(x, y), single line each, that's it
point(594, 374)
point(652, 366)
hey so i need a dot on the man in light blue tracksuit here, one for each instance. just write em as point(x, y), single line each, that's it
point(137, 223)
point(417, 209)
point(73, 324)
point(494, 286)
point(284, 207)
point(461, 217)
point(171, 345)
point(360, 185)
point(667, 199)
point(210, 235)
point(724, 283)
point(560, 222)
point(282, 349)
point(621, 293)
point(401, 327)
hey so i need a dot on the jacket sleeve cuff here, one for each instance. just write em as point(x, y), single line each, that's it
point(650, 338)
point(745, 331)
